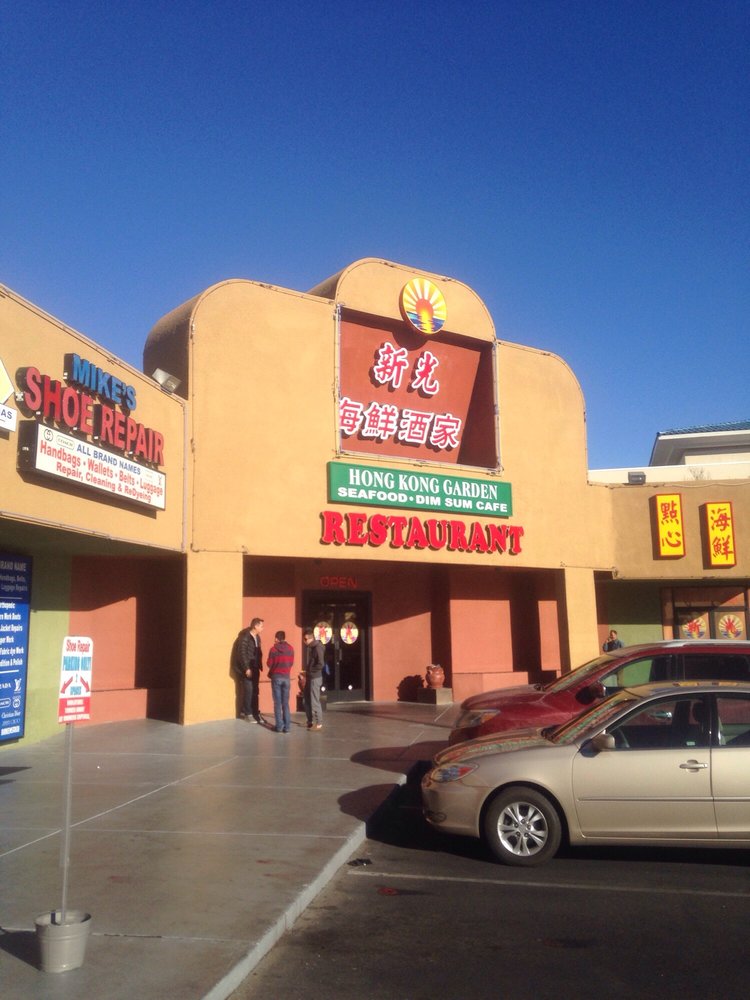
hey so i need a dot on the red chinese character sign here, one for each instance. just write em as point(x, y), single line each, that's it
point(694, 627)
point(731, 626)
point(403, 396)
point(670, 535)
point(74, 702)
point(719, 534)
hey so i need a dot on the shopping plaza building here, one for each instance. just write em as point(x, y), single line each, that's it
point(367, 458)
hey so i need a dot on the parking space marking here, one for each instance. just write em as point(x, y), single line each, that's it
point(576, 886)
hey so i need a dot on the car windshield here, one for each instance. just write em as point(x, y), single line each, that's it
point(579, 674)
point(594, 718)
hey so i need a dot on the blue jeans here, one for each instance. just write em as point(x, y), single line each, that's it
point(280, 685)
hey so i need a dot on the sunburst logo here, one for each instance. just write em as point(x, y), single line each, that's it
point(730, 626)
point(423, 306)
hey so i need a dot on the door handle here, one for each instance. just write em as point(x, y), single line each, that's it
point(693, 765)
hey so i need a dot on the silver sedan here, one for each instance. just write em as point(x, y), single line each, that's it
point(665, 764)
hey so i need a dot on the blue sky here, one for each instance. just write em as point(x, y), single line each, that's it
point(583, 165)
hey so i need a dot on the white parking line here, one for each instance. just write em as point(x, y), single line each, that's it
point(578, 886)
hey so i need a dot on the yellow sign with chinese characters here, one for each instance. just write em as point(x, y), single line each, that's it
point(720, 534)
point(670, 533)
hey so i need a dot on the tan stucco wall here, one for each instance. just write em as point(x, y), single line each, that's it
point(632, 512)
point(260, 364)
point(259, 369)
point(30, 338)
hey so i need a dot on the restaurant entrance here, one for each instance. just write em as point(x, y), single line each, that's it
point(342, 623)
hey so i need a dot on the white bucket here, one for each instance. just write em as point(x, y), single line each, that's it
point(62, 946)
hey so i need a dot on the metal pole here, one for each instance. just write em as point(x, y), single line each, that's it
point(68, 798)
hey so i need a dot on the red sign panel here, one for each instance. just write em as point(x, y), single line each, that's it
point(406, 396)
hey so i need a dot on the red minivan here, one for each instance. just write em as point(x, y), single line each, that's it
point(551, 704)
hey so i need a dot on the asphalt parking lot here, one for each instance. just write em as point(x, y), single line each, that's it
point(416, 915)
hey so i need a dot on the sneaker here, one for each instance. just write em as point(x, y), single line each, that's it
point(318, 725)
point(249, 718)
point(310, 725)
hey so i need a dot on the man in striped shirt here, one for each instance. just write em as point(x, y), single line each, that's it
point(280, 663)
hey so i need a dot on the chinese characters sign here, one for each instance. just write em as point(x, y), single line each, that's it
point(400, 397)
point(720, 534)
point(383, 420)
point(74, 703)
point(669, 526)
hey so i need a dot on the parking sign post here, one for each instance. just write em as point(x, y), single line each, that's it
point(74, 705)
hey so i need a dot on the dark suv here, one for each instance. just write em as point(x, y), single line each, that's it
point(551, 704)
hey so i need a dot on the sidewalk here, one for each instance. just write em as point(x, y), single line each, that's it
point(194, 848)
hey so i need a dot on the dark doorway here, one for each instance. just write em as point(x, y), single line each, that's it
point(342, 623)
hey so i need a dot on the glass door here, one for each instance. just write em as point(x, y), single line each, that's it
point(342, 623)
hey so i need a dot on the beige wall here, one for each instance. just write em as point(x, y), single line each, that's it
point(260, 367)
point(633, 535)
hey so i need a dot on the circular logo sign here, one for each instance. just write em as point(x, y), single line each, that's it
point(695, 629)
point(349, 633)
point(423, 305)
point(730, 627)
point(323, 632)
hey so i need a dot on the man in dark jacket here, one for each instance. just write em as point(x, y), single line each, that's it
point(249, 666)
point(280, 663)
point(314, 664)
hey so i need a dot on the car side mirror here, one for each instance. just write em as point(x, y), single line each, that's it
point(597, 691)
point(603, 741)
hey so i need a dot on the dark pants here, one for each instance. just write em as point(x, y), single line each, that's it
point(312, 700)
point(250, 694)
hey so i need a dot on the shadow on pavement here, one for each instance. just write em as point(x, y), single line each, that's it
point(22, 945)
point(401, 759)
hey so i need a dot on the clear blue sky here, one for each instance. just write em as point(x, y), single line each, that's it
point(582, 164)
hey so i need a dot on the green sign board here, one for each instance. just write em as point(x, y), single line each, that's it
point(417, 490)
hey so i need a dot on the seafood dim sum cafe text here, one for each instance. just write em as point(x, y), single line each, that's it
point(370, 458)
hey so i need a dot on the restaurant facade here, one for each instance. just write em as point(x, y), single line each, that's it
point(369, 458)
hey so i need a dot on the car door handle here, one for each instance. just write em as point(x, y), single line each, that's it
point(693, 765)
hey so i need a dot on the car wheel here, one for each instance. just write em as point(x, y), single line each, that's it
point(522, 827)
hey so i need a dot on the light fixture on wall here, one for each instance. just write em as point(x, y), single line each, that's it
point(169, 383)
point(636, 478)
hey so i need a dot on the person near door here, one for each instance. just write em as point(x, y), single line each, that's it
point(280, 663)
point(250, 664)
point(314, 664)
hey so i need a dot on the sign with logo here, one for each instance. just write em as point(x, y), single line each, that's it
point(15, 597)
point(74, 703)
point(406, 396)
point(423, 305)
point(323, 632)
point(382, 487)
point(49, 451)
point(731, 626)
point(84, 433)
